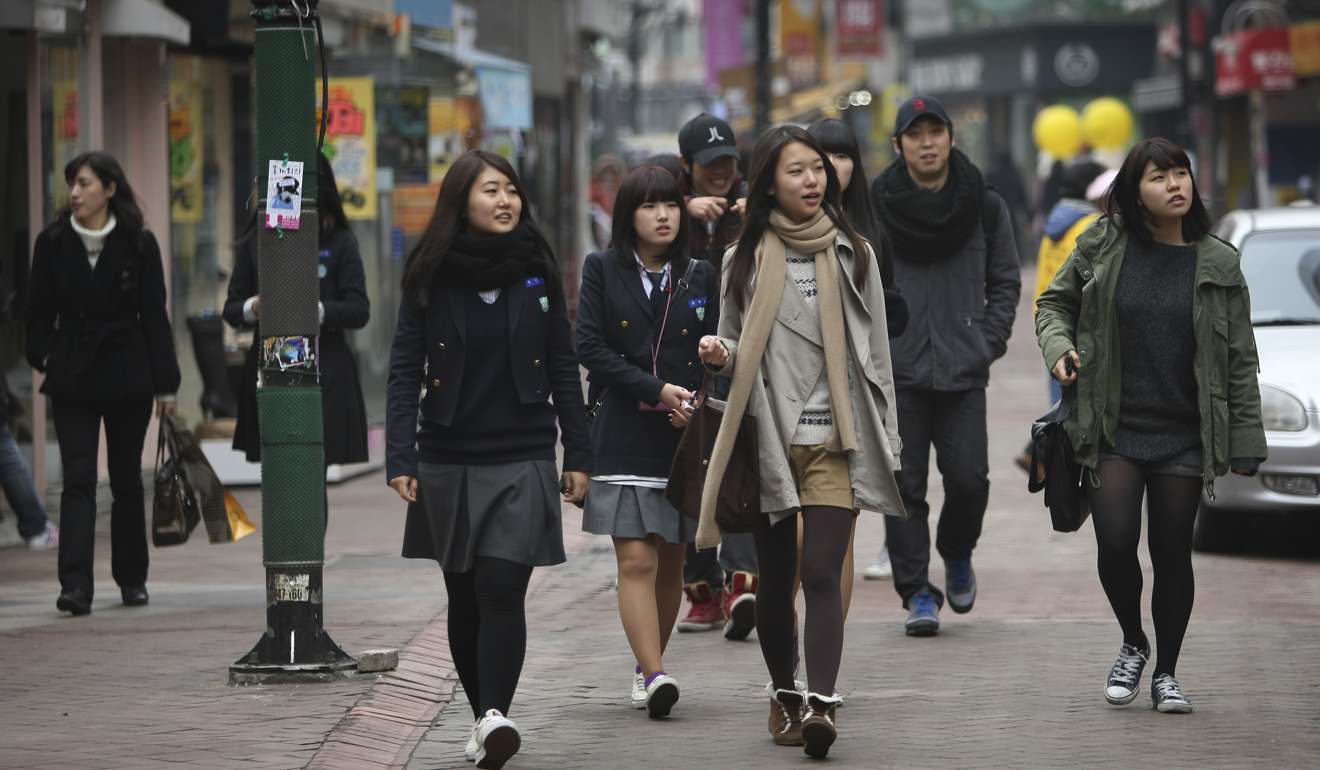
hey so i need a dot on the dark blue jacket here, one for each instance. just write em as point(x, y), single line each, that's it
point(429, 352)
point(616, 328)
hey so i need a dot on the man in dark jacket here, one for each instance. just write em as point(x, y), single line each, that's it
point(721, 590)
point(956, 264)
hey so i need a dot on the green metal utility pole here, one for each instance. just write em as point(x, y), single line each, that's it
point(294, 647)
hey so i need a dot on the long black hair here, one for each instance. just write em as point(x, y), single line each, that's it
point(450, 217)
point(836, 137)
point(1124, 197)
point(765, 159)
point(648, 184)
point(124, 203)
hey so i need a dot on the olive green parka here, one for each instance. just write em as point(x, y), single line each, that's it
point(1077, 312)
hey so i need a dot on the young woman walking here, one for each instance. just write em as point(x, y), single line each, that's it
point(483, 331)
point(1149, 321)
point(644, 305)
point(97, 326)
point(811, 364)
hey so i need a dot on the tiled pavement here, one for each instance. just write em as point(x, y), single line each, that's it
point(1015, 684)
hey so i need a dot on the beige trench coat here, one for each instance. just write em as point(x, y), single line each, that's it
point(793, 362)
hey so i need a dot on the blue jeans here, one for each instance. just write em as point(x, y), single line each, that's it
point(20, 491)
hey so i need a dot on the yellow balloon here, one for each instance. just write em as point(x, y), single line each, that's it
point(1058, 131)
point(1107, 123)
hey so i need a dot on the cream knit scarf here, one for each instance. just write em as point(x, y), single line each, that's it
point(816, 236)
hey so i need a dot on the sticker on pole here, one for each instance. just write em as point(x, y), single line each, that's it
point(284, 192)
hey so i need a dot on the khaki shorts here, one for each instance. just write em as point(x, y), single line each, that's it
point(822, 476)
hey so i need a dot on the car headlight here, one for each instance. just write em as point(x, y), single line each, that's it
point(1280, 410)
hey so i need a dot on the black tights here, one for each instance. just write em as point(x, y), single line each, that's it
point(1116, 509)
point(826, 531)
point(488, 630)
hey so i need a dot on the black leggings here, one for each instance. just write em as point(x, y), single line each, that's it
point(488, 630)
point(826, 531)
point(1116, 509)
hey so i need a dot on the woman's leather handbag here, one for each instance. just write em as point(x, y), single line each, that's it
point(738, 504)
point(1055, 470)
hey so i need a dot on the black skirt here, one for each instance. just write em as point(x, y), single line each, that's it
point(508, 511)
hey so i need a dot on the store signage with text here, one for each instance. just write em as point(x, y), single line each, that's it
point(1256, 59)
point(860, 26)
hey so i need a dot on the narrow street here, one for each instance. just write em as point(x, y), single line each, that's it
point(1014, 684)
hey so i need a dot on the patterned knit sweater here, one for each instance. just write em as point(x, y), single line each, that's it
point(816, 422)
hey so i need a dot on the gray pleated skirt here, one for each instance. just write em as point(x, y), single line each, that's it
point(636, 512)
point(508, 511)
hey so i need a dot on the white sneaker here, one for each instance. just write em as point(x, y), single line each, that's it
point(661, 695)
point(638, 698)
point(45, 540)
point(470, 750)
point(880, 569)
point(497, 740)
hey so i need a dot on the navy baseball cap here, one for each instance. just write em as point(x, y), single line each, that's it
point(920, 107)
point(706, 138)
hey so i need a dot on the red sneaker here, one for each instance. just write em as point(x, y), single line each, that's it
point(740, 606)
point(706, 613)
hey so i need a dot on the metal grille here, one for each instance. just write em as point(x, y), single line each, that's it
point(286, 103)
point(293, 474)
point(287, 279)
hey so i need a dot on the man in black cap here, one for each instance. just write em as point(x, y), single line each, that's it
point(716, 193)
point(721, 589)
point(956, 264)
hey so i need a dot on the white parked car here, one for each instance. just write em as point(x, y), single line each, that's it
point(1280, 251)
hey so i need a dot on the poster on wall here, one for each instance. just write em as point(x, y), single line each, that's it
point(350, 143)
point(445, 142)
point(403, 113)
point(185, 110)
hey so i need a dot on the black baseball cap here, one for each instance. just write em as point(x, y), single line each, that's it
point(706, 138)
point(920, 107)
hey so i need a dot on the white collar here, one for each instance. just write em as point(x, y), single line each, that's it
point(94, 234)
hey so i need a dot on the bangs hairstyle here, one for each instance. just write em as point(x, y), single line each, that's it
point(836, 137)
point(1124, 197)
point(124, 203)
point(765, 161)
point(648, 184)
point(426, 261)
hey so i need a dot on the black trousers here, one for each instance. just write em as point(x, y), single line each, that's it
point(78, 428)
point(955, 423)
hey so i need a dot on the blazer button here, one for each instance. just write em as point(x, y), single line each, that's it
point(435, 383)
point(439, 346)
point(685, 332)
point(624, 324)
point(536, 362)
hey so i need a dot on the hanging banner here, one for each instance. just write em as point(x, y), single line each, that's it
point(859, 27)
point(350, 143)
point(800, 41)
point(185, 112)
point(445, 142)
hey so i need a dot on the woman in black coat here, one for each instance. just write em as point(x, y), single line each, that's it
point(343, 306)
point(644, 305)
point(483, 334)
point(97, 327)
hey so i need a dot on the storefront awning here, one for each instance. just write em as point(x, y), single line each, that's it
point(143, 18)
point(504, 85)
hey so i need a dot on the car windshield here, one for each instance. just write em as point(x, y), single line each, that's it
point(1283, 271)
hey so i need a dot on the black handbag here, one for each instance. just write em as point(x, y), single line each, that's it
point(175, 510)
point(1054, 468)
point(738, 502)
